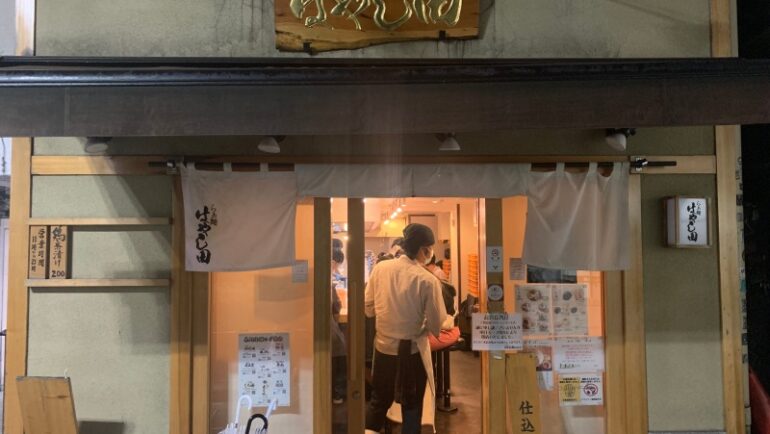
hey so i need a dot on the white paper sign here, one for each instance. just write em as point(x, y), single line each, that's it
point(575, 355)
point(693, 222)
point(264, 371)
point(516, 269)
point(496, 332)
point(586, 389)
point(494, 259)
point(299, 272)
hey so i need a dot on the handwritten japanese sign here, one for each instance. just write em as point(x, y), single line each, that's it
point(207, 218)
point(574, 355)
point(496, 332)
point(523, 392)
point(58, 252)
point(38, 252)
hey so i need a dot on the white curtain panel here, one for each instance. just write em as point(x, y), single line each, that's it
point(237, 221)
point(578, 220)
point(470, 180)
point(354, 180)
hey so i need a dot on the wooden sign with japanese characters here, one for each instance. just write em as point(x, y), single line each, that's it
point(58, 252)
point(323, 25)
point(523, 393)
point(38, 252)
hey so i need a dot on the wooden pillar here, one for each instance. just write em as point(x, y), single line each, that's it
point(18, 292)
point(727, 144)
point(322, 316)
point(180, 402)
point(356, 317)
point(494, 375)
point(18, 248)
point(633, 302)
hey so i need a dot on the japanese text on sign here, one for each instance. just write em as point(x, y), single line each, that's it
point(57, 259)
point(525, 408)
point(581, 390)
point(207, 217)
point(264, 370)
point(38, 252)
point(496, 331)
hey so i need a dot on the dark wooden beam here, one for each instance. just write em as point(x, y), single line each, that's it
point(110, 98)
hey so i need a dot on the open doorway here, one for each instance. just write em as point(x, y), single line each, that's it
point(457, 369)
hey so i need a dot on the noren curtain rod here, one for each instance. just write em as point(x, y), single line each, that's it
point(636, 163)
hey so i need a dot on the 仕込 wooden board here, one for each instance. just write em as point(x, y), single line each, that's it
point(47, 406)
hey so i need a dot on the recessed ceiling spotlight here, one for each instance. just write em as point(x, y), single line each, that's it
point(448, 142)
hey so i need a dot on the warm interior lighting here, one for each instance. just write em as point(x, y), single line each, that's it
point(269, 144)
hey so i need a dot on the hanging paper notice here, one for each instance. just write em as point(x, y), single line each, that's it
point(581, 390)
point(299, 272)
point(574, 355)
point(264, 372)
point(494, 259)
point(516, 269)
point(544, 353)
point(496, 332)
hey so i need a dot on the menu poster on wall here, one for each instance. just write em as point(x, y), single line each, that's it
point(496, 332)
point(534, 304)
point(544, 353)
point(574, 355)
point(584, 389)
point(263, 368)
point(570, 309)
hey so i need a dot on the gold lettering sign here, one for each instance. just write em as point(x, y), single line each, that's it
point(322, 25)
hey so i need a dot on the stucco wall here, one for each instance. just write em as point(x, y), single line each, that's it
point(7, 28)
point(509, 28)
point(112, 342)
point(681, 287)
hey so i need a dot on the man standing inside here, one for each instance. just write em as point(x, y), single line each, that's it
point(407, 302)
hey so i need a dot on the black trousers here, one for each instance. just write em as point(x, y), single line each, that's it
point(384, 386)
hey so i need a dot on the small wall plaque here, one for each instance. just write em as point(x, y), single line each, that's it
point(58, 252)
point(688, 221)
point(38, 252)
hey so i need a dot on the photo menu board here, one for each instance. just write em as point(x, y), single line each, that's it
point(553, 309)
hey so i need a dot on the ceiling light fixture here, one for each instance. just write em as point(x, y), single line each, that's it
point(448, 142)
point(617, 138)
point(97, 145)
point(270, 144)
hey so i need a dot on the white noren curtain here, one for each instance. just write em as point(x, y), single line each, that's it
point(578, 220)
point(238, 221)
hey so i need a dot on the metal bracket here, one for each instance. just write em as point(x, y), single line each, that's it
point(638, 164)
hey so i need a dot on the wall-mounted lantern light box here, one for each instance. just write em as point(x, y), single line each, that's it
point(688, 221)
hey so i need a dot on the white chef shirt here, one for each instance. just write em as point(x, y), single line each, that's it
point(406, 299)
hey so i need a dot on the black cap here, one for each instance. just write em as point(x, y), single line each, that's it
point(417, 235)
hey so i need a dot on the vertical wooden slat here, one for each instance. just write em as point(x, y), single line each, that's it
point(496, 398)
point(18, 293)
point(729, 285)
point(181, 323)
point(18, 301)
point(726, 139)
point(356, 318)
point(615, 395)
point(322, 316)
point(633, 309)
point(200, 352)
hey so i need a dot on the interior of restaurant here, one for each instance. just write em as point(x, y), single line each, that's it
point(562, 304)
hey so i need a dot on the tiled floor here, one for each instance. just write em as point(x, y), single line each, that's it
point(466, 395)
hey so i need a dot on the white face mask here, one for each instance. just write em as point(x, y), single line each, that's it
point(429, 257)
